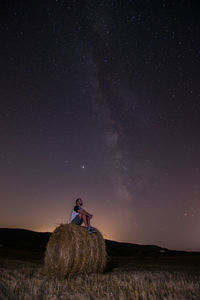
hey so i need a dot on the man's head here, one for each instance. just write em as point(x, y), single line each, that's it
point(79, 202)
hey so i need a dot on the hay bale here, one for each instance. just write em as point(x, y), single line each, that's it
point(73, 250)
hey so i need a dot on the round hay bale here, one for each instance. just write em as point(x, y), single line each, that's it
point(73, 250)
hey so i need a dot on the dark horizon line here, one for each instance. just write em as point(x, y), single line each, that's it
point(185, 250)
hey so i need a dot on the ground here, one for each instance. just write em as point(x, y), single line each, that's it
point(139, 277)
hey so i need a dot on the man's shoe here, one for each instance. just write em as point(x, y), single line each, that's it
point(91, 229)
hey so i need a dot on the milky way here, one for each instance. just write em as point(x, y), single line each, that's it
point(102, 101)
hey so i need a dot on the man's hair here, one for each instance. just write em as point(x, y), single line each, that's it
point(77, 200)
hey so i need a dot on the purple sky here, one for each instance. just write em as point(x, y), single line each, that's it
point(101, 100)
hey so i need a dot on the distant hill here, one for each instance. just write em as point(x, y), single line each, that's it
point(27, 240)
point(128, 249)
point(23, 238)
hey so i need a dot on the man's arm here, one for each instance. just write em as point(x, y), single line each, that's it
point(84, 212)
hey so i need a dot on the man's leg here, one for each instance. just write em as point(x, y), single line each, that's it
point(86, 219)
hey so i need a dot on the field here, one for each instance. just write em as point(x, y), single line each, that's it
point(142, 277)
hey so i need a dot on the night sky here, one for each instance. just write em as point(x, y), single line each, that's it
point(101, 100)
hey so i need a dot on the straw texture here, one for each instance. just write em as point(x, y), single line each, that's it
point(73, 250)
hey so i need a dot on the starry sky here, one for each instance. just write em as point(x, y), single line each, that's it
point(101, 100)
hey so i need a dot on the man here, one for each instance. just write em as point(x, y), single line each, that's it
point(79, 216)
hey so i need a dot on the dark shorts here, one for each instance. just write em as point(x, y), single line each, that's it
point(77, 220)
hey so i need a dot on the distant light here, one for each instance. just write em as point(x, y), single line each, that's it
point(82, 167)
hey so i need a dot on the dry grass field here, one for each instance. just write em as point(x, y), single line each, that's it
point(147, 278)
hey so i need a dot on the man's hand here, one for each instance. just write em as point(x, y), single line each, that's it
point(84, 212)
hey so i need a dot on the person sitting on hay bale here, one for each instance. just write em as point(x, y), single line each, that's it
point(79, 216)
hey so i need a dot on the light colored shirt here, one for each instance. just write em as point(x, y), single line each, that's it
point(74, 213)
